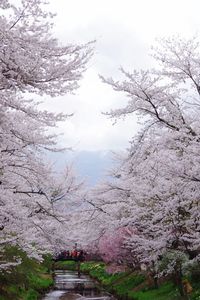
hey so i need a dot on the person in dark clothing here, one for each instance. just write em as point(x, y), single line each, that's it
point(80, 256)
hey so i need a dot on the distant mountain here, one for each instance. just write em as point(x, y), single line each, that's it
point(92, 165)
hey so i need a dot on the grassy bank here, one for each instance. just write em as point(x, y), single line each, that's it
point(130, 285)
point(65, 265)
point(27, 281)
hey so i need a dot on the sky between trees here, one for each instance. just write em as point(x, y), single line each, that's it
point(153, 197)
point(124, 32)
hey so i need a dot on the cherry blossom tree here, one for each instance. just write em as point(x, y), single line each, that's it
point(32, 63)
point(158, 181)
point(112, 246)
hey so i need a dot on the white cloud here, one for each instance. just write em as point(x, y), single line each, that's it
point(124, 31)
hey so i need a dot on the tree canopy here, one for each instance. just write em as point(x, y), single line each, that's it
point(33, 64)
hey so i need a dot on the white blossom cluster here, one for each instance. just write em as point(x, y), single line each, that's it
point(155, 188)
point(33, 63)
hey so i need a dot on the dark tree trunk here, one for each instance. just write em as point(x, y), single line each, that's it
point(179, 282)
point(155, 280)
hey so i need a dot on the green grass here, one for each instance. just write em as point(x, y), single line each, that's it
point(35, 286)
point(26, 281)
point(39, 282)
point(123, 284)
point(31, 295)
point(119, 283)
point(165, 292)
point(128, 284)
point(63, 265)
point(196, 291)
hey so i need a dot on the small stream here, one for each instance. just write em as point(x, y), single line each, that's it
point(68, 286)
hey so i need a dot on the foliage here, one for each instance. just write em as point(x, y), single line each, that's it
point(31, 295)
point(118, 283)
point(155, 184)
point(132, 285)
point(196, 293)
point(129, 283)
point(33, 65)
point(47, 262)
point(111, 245)
point(165, 292)
point(26, 280)
point(62, 265)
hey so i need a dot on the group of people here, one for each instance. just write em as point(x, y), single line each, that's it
point(75, 254)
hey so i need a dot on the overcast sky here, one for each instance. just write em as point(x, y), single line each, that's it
point(124, 31)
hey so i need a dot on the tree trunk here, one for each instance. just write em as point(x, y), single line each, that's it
point(179, 282)
point(155, 280)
